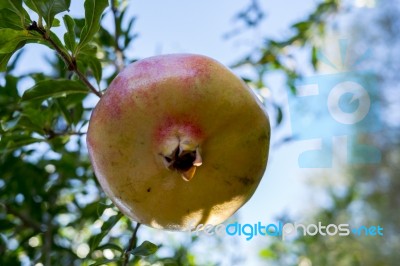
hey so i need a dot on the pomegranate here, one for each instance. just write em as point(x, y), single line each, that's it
point(178, 140)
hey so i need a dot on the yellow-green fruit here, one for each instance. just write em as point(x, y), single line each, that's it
point(178, 140)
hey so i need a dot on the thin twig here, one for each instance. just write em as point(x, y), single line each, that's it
point(131, 246)
point(69, 61)
point(26, 220)
point(47, 245)
point(86, 81)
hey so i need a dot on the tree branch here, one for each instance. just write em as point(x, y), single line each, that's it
point(132, 245)
point(69, 61)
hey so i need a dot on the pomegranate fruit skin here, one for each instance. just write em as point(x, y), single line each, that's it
point(178, 140)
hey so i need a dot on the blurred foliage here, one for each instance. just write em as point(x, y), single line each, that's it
point(369, 194)
point(277, 55)
point(53, 211)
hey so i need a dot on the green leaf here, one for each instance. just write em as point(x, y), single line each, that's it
point(10, 124)
point(48, 9)
point(4, 58)
point(14, 10)
point(15, 5)
point(105, 228)
point(314, 57)
point(20, 121)
point(69, 36)
point(94, 64)
point(64, 111)
point(36, 118)
point(10, 39)
point(6, 225)
point(130, 24)
point(14, 142)
point(10, 19)
point(93, 11)
point(15, 60)
point(73, 103)
point(26, 123)
point(128, 37)
point(145, 249)
point(89, 49)
point(267, 254)
point(279, 116)
point(105, 262)
point(56, 23)
point(110, 246)
point(53, 88)
point(302, 26)
point(55, 38)
point(106, 38)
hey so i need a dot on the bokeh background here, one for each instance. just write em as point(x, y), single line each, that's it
point(320, 168)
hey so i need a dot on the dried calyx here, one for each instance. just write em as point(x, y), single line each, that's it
point(184, 158)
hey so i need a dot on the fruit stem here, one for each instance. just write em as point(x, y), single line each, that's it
point(131, 246)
